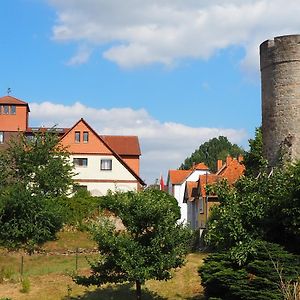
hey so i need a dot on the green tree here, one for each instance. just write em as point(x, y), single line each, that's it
point(33, 175)
point(148, 247)
point(253, 159)
point(41, 164)
point(209, 152)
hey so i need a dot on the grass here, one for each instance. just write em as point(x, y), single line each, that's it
point(50, 279)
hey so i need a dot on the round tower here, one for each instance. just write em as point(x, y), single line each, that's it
point(280, 84)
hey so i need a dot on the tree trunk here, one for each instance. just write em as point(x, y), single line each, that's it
point(138, 290)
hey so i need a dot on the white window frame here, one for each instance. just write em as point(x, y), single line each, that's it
point(106, 164)
point(77, 136)
point(85, 137)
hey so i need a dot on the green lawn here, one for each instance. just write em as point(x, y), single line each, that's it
point(49, 275)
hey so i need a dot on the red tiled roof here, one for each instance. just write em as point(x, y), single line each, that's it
point(178, 176)
point(206, 180)
point(123, 145)
point(12, 100)
point(200, 166)
point(232, 170)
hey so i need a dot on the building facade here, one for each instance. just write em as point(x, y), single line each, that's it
point(101, 163)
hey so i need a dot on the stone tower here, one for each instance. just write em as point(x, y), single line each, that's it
point(280, 84)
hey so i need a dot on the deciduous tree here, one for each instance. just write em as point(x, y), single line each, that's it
point(148, 247)
point(33, 174)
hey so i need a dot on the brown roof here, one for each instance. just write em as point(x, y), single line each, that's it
point(178, 176)
point(12, 100)
point(123, 145)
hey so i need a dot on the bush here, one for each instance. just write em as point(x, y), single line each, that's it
point(258, 278)
point(79, 207)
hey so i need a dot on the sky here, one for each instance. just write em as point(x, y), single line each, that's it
point(176, 73)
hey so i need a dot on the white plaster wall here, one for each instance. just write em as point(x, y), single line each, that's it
point(93, 171)
point(195, 175)
point(101, 188)
point(178, 194)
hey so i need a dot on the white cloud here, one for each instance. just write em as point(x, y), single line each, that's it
point(164, 145)
point(137, 32)
point(82, 56)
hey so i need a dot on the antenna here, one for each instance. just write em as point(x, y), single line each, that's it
point(8, 91)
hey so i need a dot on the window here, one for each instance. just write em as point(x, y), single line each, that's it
point(6, 109)
point(80, 162)
point(1, 137)
point(77, 136)
point(106, 164)
point(85, 136)
point(13, 110)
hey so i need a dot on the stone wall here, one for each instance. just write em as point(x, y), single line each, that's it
point(280, 83)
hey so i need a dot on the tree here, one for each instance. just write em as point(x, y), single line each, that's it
point(33, 175)
point(253, 159)
point(148, 247)
point(41, 164)
point(211, 151)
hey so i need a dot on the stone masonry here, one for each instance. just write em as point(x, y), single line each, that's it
point(280, 84)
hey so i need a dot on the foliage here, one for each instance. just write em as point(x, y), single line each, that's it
point(253, 159)
point(259, 278)
point(41, 164)
point(79, 207)
point(148, 247)
point(27, 220)
point(25, 285)
point(33, 174)
point(263, 208)
point(209, 152)
point(267, 207)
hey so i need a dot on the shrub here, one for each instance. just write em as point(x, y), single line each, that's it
point(79, 207)
point(259, 278)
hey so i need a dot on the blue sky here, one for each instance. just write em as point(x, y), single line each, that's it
point(173, 72)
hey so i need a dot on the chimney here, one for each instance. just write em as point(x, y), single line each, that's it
point(228, 160)
point(240, 158)
point(219, 164)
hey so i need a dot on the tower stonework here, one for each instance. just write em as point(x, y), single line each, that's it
point(280, 84)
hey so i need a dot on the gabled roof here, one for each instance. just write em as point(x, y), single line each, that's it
point(12, 100)
point(200, 166)
point(123, 145)
point(117, 156)
point(178, 176)
point(232, 170)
